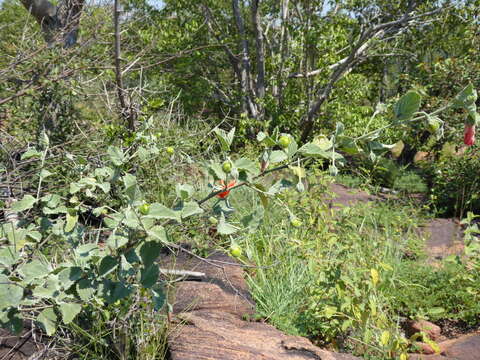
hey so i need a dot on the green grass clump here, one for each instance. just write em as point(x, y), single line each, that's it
point(410, 182)
point(102, 333)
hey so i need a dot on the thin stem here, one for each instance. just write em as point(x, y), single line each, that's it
point(215, 193)
point(421, 117)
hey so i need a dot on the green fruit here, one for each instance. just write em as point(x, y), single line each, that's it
point(213, 220)
point(235, 250)
point(284, 141)
point(296, 222)
point(170, 150)
point(144, 209)
point(470, 99)
point(227, 166)
point(434, 125)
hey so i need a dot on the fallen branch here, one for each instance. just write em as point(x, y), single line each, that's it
point(182, 273)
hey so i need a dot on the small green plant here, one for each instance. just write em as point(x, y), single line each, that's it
point(471, 236)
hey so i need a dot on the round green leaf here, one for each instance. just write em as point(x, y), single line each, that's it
point(26, 203)
point(10, 293)
point(69, 311)
point(48, 321)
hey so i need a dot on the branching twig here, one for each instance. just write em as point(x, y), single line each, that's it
point(359, 49)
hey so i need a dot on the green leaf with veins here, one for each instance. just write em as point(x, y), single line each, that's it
point(48, 320)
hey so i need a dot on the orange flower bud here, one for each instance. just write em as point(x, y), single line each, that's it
point(227, 188)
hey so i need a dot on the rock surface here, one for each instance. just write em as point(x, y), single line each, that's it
point(444, 238)
point(194, 295)
point(216, 335)
point(433, 331)
point(466, 347)
point(223, 288)
point(209, 325)
point(424, 348)
point(427, 357)
point(343, 195)
point(20, 347)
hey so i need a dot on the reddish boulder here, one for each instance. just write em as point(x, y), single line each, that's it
point(433, 331)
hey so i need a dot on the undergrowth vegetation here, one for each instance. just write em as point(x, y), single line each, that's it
point(346, 277)
point(223, 126)
point(351, 276)
point(72, 247)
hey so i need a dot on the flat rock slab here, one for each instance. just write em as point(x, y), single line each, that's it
point(193, 295)
point(463, 348)
point(428, 357)
point(222, 288)
point(444, 238)
point(343, 195)
point(466, 347)
point(208, 318)
point(215, 335)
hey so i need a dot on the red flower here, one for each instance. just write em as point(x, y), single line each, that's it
point(469, 135)
point(227, 188)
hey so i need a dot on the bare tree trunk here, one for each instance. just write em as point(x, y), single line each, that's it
point(283, 51)
point(260, 49)
point(57, 22)
point(245, 71)
point(128, 112)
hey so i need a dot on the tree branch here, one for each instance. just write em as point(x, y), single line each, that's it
point(127, 111)
point(365, 41)
point(231, 57)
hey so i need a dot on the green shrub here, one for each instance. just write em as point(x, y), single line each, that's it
point(384, 172)
point(455, 183)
